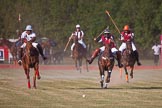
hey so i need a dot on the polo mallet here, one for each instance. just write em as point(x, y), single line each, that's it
point(101, 32)
point(112, 21)
point(68, 43)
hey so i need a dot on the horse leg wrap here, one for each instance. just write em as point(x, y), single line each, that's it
point(29, 86)
point(110, 73)
point(102, 78)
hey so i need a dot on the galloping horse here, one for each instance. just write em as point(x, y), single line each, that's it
point(78, 54)
point(105, 63)
point(31, 60)
point(128, 59)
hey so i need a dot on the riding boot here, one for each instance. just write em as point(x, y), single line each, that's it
point(41, 51)
point(20, 56)
point(94, 55)
point(118, 57)
point(137, 57)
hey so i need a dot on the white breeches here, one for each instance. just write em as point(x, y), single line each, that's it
point(24, 45)
point(81, 42)
point(113, 50)
point(123, 46)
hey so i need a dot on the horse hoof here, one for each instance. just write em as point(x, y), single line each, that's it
point(39, 77)
point(105, 87)
point(34, 87)
point(101, 85)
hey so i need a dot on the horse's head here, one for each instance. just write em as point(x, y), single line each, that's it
point(75, 38)
point(107, 52)
point(28, 47)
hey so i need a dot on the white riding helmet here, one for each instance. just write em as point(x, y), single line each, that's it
point(28, 27)
point(77, 26)
point(106, 31)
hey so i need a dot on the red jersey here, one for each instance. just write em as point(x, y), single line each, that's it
point(127, 36)
point(106, 40)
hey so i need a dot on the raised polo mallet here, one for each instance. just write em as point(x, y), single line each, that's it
point(101, 32)
point(112, 21)
point(68, 42)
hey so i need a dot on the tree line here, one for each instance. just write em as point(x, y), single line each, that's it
point(56, 19)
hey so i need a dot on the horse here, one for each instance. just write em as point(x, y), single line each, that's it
point(12, 46)
point(79, 52)
point(105, 63)
point(30, 59)
point(128, 60)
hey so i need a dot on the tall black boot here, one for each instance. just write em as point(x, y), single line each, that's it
point(137, 57)
point(94, 55)
point(118, 57)
point(20, 54)
point(41, 51)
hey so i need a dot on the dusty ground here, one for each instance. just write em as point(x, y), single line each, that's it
point(61, 86)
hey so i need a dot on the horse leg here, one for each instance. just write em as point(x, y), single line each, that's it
point(37, 72)
point(102, 77)
point(107, 78)
point(121, 71)
point(80, 65)
point(28, 77)
point(76, 64)
point(126, 74)
point(87, 66)
point(131, 74)
point(34, 81)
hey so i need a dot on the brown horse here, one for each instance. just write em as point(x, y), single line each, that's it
point(78, 54)
point(128, 59)
point(105, 63)
point(31, 60)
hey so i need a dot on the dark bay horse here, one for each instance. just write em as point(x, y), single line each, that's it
point(79, 52)
point(105, 63)
point(30, 59)
point(128, 60)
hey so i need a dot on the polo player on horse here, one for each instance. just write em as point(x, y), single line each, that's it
point(80, 34)
point(128, 35)
point(29, 35)
point(103, 38)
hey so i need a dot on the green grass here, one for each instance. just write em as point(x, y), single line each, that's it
point(67, 92)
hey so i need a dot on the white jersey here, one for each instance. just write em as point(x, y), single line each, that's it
point(27, 37)
point(80, 35)
point(156, 49)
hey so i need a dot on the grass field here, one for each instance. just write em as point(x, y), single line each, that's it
point(70, 89)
